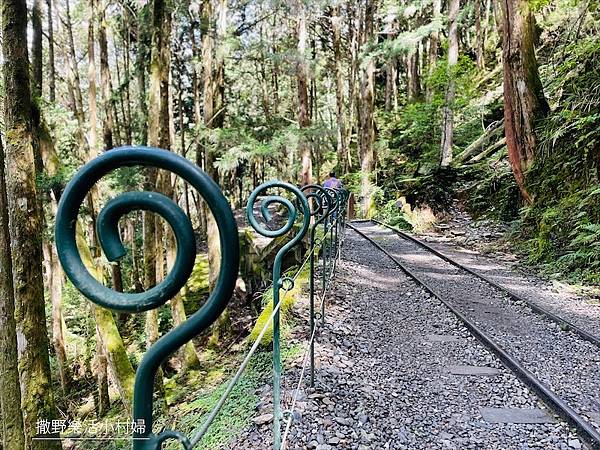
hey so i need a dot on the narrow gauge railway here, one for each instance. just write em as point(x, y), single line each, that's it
point(561, 365)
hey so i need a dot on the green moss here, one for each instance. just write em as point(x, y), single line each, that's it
point(196, 289)
point(287, 302)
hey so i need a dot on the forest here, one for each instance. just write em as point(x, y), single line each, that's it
point(421, 108)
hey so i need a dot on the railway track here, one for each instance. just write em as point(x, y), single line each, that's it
point(556, 359)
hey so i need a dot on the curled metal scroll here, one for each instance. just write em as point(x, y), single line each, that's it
point(107, 229)
point(293, 208)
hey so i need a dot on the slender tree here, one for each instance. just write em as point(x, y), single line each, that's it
point(36, 48)
point(25, 225)
point(10, 394)
point(366, 112)
point(51, 58)
point(448, 118)
point(342, 126)
point(304, 147)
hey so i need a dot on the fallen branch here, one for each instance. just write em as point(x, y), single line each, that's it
point(489, 151)
point(480, 145)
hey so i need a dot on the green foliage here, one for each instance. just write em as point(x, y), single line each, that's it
point(391, 214)
point(196, 289)
point(562, 224)
point(492, 193)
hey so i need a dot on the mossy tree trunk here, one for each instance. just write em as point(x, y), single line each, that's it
point(366, 110)
point(304, 148)
point(54, 277)
point(10, 395)
point(434, 43)
point(448, 118)
point(51, 61)
point(524, 101)
point(342, 121)
point(36, 49)
point(213, 59)
point(112, 342)
point(108, 104)
point(25, 227)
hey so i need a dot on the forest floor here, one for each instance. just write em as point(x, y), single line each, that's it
point(388, 378)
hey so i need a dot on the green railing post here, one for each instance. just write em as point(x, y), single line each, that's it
point(107, 229)
point(323, 204)
point(278, 281)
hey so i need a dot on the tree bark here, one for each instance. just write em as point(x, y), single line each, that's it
point(434, 43)
point(366, 110)
point(413, 80)
point(92, 102)
point(105, 81)
point(391, 74)
point(75, 80)
point(51, 59)
point(141, 66)
point(524, 101)
point(342, 144)
point(303, 107)
point(25, 225)
point(479, 36)
point(10, 394)
point(54, 277)
point(36, 49)
point(448, 120)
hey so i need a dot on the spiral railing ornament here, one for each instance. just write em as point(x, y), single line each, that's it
point(293, 209)
point(107, 230)
point(324, 203)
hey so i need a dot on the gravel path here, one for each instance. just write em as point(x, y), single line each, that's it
point(384, 381)
point(561, 360)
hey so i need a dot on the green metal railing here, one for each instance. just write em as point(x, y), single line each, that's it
point(320, 210)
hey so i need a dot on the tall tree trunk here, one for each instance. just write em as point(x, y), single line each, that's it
point(92, 102)
point(141, 63)
point(25, 225)
point(54, 277)
point(214, 116)
point(102, 400)
point(74, 74)
point(51, 60)
point(413, 83)
point(434, 43)
point(36, 49)
point(10, 394)
point(112, 342)
point(391, 73)
point(448, 120)
point(107, 101)
point(209, 157)
point(479, 36)
point(342, 145)
point(303, 107)
point(524, 101)
point(353, 76)
point(366, 121)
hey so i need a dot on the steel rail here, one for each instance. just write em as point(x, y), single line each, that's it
point(586, 431)
point(563, 323)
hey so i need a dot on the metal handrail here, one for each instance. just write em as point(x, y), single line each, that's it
point(328, 212)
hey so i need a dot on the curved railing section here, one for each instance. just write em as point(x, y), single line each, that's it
point(107, 230)
point(312, 209)
point(278, 281)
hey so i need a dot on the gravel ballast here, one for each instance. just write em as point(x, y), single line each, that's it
point(394, 370)
point(560, 359)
